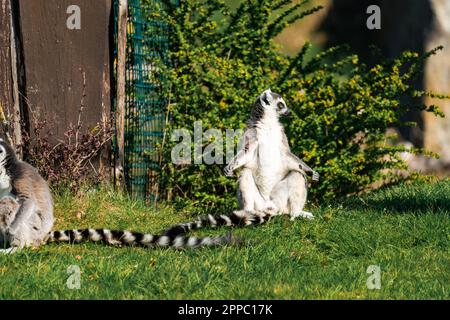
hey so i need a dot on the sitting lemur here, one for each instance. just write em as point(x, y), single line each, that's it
point(272, 180)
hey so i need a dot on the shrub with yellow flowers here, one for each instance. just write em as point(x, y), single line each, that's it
point(222, 59)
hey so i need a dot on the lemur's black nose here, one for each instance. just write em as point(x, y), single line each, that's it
point(287, 113)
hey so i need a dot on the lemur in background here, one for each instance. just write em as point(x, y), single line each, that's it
point(26, 215)
point(272, 181)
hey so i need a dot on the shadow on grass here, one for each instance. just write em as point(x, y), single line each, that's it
point(415, 198)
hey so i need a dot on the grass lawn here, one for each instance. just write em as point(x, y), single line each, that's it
point(405, 230)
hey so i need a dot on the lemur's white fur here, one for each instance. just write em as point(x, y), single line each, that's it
point(5, 183)
point(5, 180)
point(8, 203)
point(272, 178)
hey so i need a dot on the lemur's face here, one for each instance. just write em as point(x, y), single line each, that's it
point(5, 152)
point(2, 152)
point(5, 181)
point(273, 102)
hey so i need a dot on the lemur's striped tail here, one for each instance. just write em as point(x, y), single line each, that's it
point(236, 218)
point(128, 238)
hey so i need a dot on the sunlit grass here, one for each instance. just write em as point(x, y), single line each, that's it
point(405, 230)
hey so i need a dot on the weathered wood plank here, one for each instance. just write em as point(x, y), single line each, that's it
point(15, 122)
point(66, 69)
point(120, 106)
point(6, 86)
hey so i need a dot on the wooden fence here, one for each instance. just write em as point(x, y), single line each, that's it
point(57, 68)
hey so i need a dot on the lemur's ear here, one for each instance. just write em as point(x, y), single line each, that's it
point(266, 97)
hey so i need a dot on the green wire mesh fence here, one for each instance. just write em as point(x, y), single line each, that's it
point(145, 101)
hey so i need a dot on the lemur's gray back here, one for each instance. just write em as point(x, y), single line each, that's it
point(27, 183)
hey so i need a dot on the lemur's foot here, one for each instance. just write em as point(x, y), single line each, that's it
point(303, 214)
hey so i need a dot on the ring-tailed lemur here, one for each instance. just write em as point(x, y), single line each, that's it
point(272, 177)
point(272, 180)
point(26, 215)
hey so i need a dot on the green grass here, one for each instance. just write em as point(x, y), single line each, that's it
point(404, 229)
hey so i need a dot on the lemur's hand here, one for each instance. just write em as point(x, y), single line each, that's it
point(228, 170)
point(315, 176)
